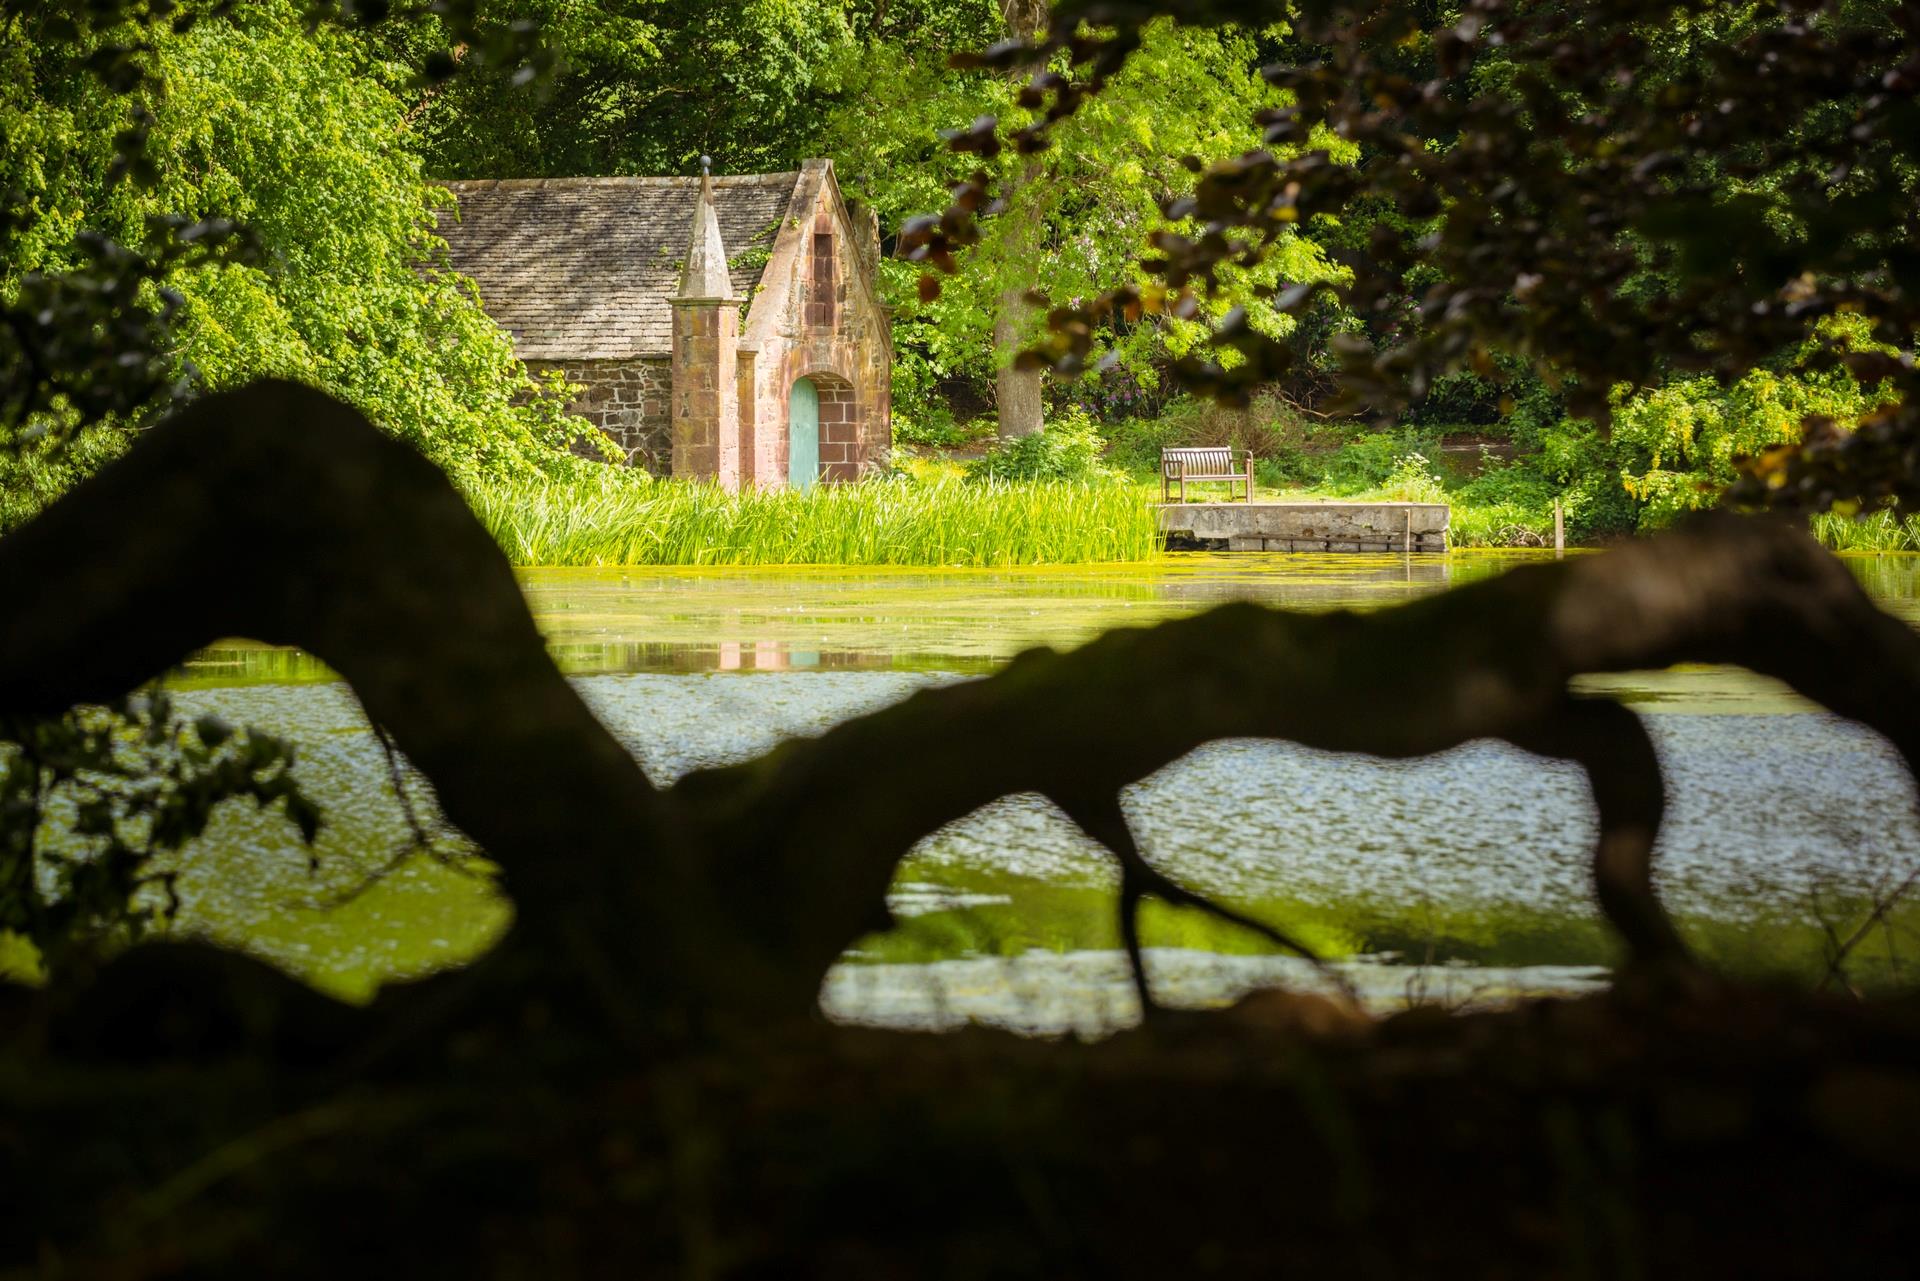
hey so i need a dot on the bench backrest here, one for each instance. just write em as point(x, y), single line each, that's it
point(1202, 458)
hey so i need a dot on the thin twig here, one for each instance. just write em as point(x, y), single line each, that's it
point(1106, 823)
point(1881, 907)
point(244, 1151)
point(421, 842)
point(398, 779)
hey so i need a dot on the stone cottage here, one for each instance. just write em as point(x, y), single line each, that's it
point(727, 328)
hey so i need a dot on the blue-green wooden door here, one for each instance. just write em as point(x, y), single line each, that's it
point(803, 435)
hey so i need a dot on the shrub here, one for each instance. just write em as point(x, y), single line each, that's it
point(1506, 505)
point(1134, 444)
point(1287, 466)
point(1367, 462)
point(1464, 397)
point(1068, 450)
point(936, 428)
point(1690, 434)
point(1412, 480)
point(1517, 483)
point(1272, 429)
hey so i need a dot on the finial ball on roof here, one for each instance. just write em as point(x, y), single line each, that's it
point(706, 164)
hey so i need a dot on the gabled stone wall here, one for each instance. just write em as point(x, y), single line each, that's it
point(630, 400)
point(816, 317)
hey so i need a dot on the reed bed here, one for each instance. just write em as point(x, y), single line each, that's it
point(622, 519)
point(1882, 531)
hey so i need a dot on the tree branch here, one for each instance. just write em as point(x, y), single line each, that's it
point(1843, 948)
point(279, 514)
point(1492, 660)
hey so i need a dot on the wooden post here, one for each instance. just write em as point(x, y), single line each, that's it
point(1559, 530)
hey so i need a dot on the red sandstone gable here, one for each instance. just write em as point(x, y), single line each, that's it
point(633, 289)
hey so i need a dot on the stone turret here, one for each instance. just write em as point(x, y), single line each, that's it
point(706, 336)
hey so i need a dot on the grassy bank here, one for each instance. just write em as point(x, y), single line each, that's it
point(935, 516)
point(1496, 500)
point(1482, 516)
point(622, 519)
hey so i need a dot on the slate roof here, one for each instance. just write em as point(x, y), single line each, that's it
point(581, 268)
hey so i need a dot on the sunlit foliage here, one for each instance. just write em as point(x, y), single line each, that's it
point(1617, 194)
point(253, 122)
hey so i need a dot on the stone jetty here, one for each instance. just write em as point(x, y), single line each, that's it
point(1307, 526)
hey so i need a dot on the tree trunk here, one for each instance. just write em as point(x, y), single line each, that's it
point(1018, 393)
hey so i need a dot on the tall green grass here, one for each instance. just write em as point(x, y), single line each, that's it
point(1501, 524)
point(1883, 531)
point(623, 519)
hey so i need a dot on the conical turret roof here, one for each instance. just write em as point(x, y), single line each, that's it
point(705, 275)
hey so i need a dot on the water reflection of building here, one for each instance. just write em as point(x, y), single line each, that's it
point(770, 656)
point(725, 656)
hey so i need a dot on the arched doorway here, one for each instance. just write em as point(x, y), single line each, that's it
point(803, 435)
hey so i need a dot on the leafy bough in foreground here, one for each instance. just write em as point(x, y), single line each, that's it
point(277, 513)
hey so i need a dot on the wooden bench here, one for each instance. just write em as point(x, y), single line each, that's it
point(1204, 463)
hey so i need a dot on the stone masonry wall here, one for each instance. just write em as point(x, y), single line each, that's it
point(629, 400)
point(706, 425)
point(841, 452)
point(814, 320)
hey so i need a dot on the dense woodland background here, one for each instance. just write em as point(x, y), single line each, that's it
point(322, 144)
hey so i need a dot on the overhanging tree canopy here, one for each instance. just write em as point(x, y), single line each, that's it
point(1614, 193)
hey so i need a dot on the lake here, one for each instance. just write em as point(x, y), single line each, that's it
point(1457, 879)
